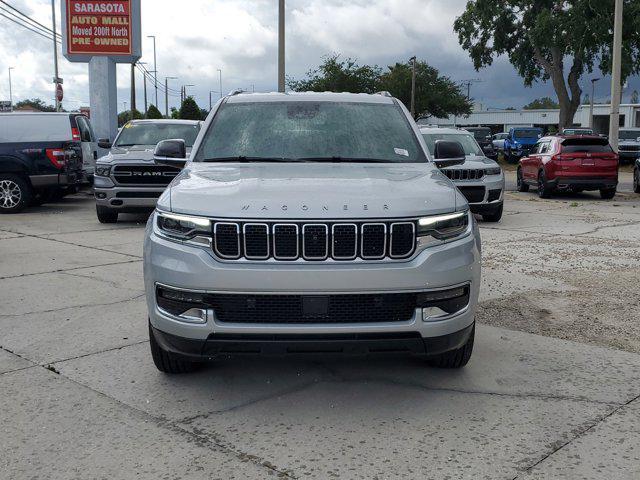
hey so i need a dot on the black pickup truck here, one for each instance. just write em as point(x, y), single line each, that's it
point(40, 156)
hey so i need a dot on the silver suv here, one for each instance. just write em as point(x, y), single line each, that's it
point(479, 178)
point(629, 145)
point(126, 179)
point(310, 223)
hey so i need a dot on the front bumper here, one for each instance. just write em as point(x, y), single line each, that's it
point(125, 199)
point(493, 192)
point(195, 268)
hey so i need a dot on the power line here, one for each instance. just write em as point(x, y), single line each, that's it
point(28, 18)
point(48, 37)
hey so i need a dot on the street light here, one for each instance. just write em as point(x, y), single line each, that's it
point(210, 102)
point(593, 89)
point(413, 86)
point(281, 51)
point(155, 67)
point(220, 72)
point(10, 91)
point(166, 95)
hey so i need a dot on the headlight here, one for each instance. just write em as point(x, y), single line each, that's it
point(102, 170)
point(443, 227)
point(493, 171)
point(184, 227)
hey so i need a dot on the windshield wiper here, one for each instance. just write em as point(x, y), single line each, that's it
point(243, 158)
point(339, 159)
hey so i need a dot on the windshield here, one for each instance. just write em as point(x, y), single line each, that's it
point(310, 131)
point(152, 133)
point(480, 133)
point(629, 134)
point(577, 131)
point(467, 141)
point(529, 133)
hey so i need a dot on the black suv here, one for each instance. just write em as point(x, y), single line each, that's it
point(40, 158)
point(484, 138)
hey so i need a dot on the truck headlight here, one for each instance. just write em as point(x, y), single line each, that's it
point(102, 170)
point(184, 227)
point(443, 228)
point(493, 171)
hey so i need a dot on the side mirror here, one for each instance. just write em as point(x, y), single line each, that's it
point(171, 152)
point(448, 154)
point(104, 143)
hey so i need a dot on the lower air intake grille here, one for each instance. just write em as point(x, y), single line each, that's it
point(473, 194)
point(368, 308)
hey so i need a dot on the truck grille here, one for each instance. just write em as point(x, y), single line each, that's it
point(464, 173)
point(313, 241)
point(629, 148)
point(360, 308)
point(144, 174)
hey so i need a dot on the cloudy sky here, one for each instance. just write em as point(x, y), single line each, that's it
point(195, 38)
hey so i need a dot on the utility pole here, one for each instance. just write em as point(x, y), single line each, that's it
point(133, 88)
point(468, 83)
point(144, 83)
point(10, 91)
point(614, 118)
point(166, 95)
point(281, 75)
point(220, 72)
point(56, 79)
point(413, 86)
point(593, 89)
point(155, 67)
point(210, 104)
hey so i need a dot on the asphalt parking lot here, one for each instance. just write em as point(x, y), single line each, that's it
point(552, 390)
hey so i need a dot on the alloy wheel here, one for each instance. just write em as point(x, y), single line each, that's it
point(10, 194)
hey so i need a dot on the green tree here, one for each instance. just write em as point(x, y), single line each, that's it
point(586, 100)
point(634, 96)
point(153, 112)
point(543, 103)
point(337, 75)
point(189, 110)
point(539, 36)
point(435, 95)
point(128, 115)
point(174, 113)
point(35, 103)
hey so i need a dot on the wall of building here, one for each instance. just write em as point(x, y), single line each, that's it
point(502, 120)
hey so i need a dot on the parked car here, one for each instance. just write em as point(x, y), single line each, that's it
point(41, 157)
point(498, 141)
point(126, 179)
point(484, 139)
point(574, 163)
point(577, 131)
point(629, 145)
point(520, 142)
point(296, 227)
point(479, 178)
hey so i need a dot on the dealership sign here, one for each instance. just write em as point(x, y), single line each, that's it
point(101, 28)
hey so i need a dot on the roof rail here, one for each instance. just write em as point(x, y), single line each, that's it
point(384, 93)
point(237, 91)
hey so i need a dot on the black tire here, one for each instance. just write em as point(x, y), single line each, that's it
point(544, 190)
point(607, 193)
point(167, 362)
point(494, 216)
point(15, 193)
point(106, 215)
point(521, 186)
point(636, 180)
point(457, 358)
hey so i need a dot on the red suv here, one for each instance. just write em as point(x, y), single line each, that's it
point(570, 162)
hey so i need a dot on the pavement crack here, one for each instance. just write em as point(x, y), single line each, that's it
point(88, 305)
point(84, 355)
point(65, 270)
point(581, 433)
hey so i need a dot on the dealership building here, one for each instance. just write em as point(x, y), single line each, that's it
point(503, 120)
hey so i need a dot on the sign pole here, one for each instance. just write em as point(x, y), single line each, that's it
point(56, 79)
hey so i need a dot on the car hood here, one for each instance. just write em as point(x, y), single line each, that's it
point(135, 153)
point(475, 161)
point(311, 190)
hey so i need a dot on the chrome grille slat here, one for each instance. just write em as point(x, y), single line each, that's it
point(313, 241)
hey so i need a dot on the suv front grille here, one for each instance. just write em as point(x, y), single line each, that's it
point(629, 148)
point(144, 174)
point(313, 241)
point(358, 308)
point(464, 173)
